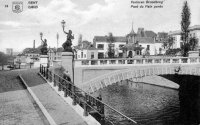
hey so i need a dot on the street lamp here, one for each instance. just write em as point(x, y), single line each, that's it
point(63, 24)
point(69, 40)
point(41, 34)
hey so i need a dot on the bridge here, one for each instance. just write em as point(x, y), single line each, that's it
point(96, 74)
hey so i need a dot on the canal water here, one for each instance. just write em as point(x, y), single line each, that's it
point(147, 104)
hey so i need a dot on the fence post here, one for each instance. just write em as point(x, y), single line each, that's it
point(100, 107)
point(74, 95)
point(47, 73)
point(66, 89)
point(52, 75)
point(143, 61)
point(85, 113)
point(44, 71)
point(59, 84)
point(40, 68)
point(188, 60)
point(54, 80)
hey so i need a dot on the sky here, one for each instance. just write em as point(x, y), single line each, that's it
point(87, 17)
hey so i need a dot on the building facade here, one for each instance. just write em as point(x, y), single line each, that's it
point(133, 44)
point(9, 51)
point(194, 31)
point(100, 42)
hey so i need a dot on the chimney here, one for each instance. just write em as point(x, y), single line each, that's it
point(34, 44)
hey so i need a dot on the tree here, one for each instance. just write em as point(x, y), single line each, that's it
point(185, 23)
point(110, 40)
point(3, 59)
point(168, 43)
point(193, 43)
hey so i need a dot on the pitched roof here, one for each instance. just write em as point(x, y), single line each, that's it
point(123, 39)
point(150, 34)
point(140, 32)
point(132, 33)
point(177, 32)
point(104, 39)
point(91, 47)
point(31, 50)
point(162, 35)
point(145, 39)
point(195, 27)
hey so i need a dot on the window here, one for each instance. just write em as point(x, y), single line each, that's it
point(84, 55)
point(148, 47)
point(100, 55)
point(100, 46)
point(78, 56)
point(81, 54)
point(120, 46)
point(92, 55)
point(120, 55)
point(137, 52)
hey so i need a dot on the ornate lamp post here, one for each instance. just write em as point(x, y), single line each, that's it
point(63, 24)
point(41, 35)
point(67, 48)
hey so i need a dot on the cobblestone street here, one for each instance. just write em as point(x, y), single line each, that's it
point(16, 105)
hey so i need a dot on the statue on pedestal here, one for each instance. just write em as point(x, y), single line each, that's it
point(68, 43)
point(43, 48)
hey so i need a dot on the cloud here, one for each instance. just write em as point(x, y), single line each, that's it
point(57, 10)
point(10, 23)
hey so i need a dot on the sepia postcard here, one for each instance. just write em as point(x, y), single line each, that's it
point(92, 62)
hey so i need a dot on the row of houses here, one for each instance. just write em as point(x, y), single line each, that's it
point(142, 42)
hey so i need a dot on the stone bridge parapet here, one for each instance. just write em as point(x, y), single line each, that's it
point(136, 73)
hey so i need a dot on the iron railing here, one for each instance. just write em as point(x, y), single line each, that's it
point(91, 105)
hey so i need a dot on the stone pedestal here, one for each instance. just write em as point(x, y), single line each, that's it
point(44, 60)
point(66, 63)
point(56, 63)
point(193, 54)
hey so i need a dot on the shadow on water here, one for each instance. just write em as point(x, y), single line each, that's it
point(189, 97)
point(154, 105)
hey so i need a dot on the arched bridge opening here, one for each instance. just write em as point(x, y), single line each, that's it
point(187, 79)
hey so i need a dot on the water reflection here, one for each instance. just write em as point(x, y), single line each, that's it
point(147, 104)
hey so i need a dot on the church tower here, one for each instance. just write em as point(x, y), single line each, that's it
point(131, 36)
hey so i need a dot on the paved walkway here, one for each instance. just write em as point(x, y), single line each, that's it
point(17, 107)
point(60, 111)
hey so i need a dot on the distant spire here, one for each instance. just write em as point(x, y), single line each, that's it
point(132, 30)
point(132, 27)
point(33, 44)
point(57, 37)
